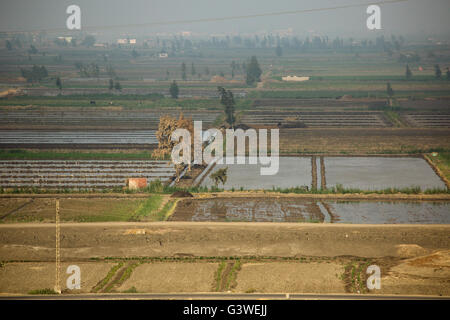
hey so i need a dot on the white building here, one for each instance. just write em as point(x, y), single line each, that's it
point(66, 39)
point(295, 78)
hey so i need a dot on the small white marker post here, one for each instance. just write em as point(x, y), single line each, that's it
point(57, 287)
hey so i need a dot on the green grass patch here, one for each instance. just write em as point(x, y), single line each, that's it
point(108, 277)
point(42, 291)
point(164, 189)
point(231, 281)
point(164, 213)
point(100, 211)
point(442, 161)
point(218, 275)
point(148, 208)
point(340, 189)
point(394, 118)
point(131, 290)
point(124, 277)
point(156, 187)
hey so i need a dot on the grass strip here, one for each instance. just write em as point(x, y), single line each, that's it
point(218, 275)
point(231, 281)
point(128, 271)
point(42, 291)
point(108, 277)
point(442, 161)
point(167, 210)
point(148, 208)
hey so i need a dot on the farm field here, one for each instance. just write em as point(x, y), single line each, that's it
point(358, 141)
point(145, 258)
point(363, 173)
point(292, 172)
point(428, 120)
point(295, 141)
point(95, 118)
point(80, 174)
point(299, 276)
point(234, 207)
point(270, 113)
point(309, 172)
point(88, 209)
point(316, 119)
point(379, 173)
point(30, 137)
point(272, 209)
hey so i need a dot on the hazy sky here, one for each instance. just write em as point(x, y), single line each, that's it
point(421, 17)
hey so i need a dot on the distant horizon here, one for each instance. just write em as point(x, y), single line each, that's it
point(413, 18)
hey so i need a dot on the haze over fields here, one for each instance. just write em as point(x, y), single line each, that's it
point(362, 117)
point(410, 17)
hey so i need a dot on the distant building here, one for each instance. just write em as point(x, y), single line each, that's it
point(66, 39)
point(126, 41)
point(295, 78)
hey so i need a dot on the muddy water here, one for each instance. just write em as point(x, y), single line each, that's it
point(309, 210)
point(390, 212)
point(371, 173)
point(256, 209)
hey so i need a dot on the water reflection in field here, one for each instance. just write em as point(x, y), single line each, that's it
point(313, 210)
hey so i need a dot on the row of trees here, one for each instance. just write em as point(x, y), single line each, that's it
point(235, 68)
point(21, 40)
point(36, 73)
point(252, 70)
point(437, 72)
point(178, 43)
point(88, 70)
point(114, 85)
point(253, 75)
point(92, 70)
point(39, 73)
point(226, 99)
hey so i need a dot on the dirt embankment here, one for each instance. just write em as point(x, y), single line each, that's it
point(166, 239)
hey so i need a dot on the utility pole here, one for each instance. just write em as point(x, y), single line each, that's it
point(58, 258)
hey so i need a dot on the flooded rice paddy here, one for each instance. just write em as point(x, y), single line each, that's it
point(373, 173)
point(312, 210)
point(365, 173)
point(293, 171)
